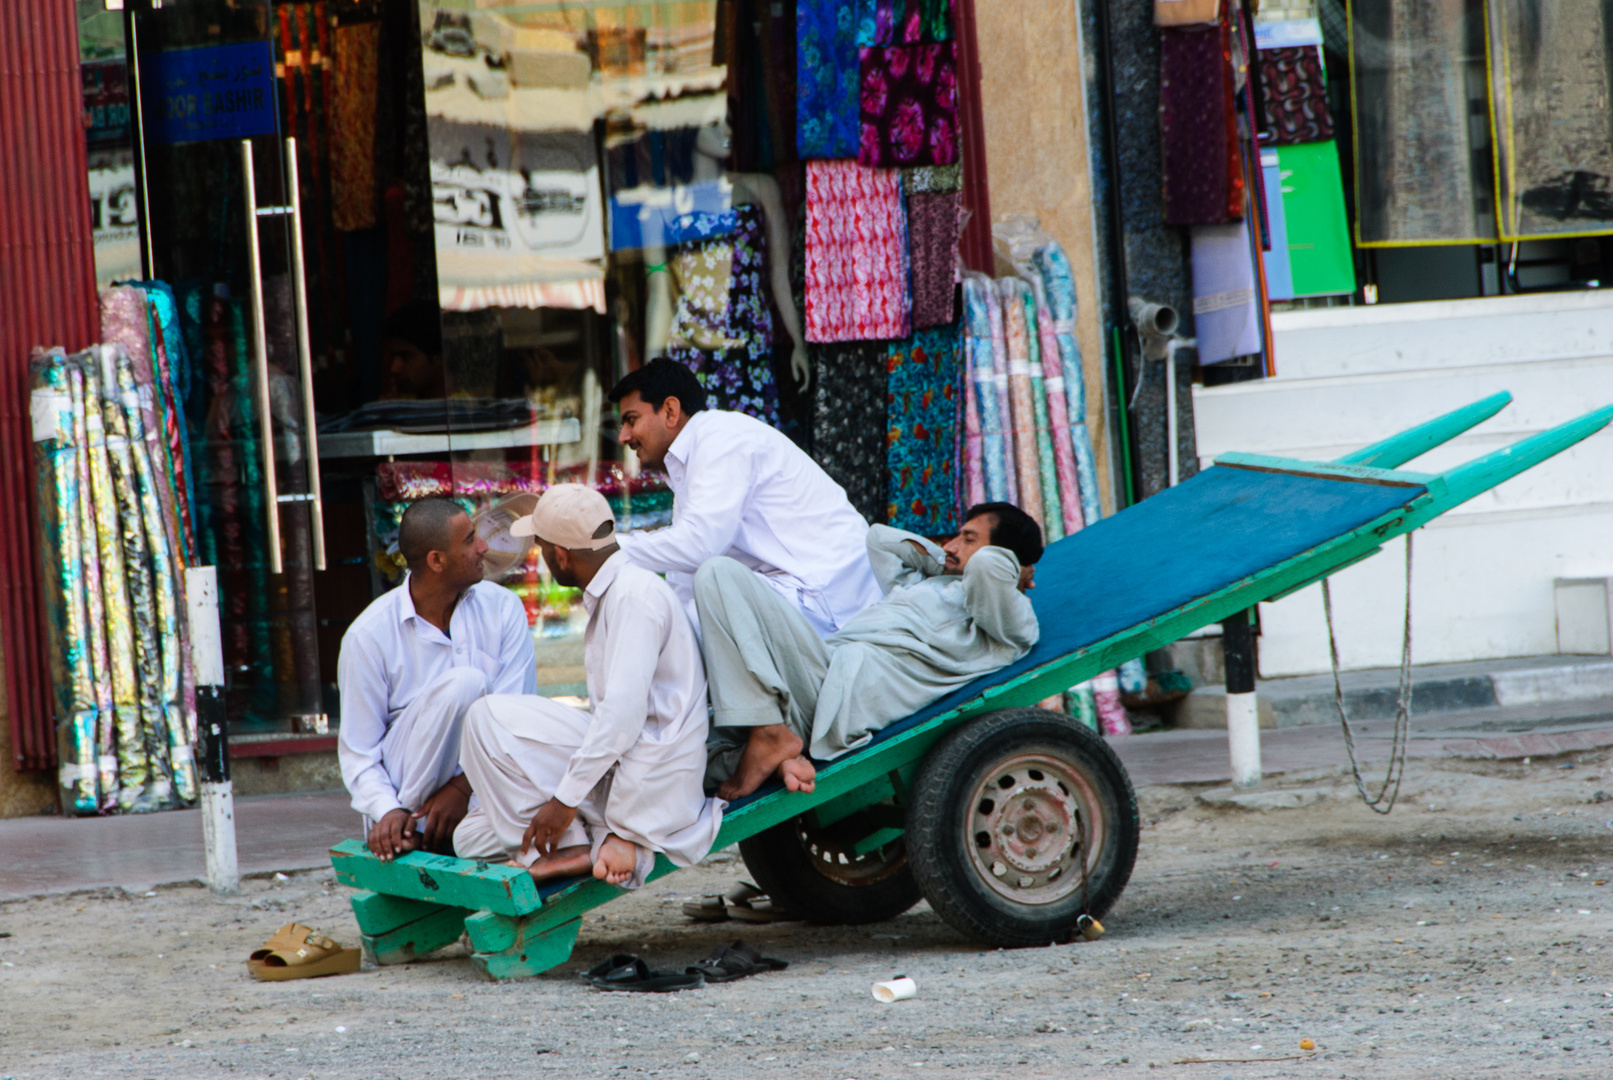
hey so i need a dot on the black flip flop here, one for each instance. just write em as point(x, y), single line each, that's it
point(729, 962)
point(625, 971)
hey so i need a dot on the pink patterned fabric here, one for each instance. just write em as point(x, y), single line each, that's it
point(999, 360)
point(1058, 414)
point(1021, 405)
point(856, 254)
point(909, 105)
point(973, 468)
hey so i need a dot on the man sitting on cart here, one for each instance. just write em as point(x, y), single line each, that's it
point(781, 693)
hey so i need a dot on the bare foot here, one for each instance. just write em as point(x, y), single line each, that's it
point(567, 862)
point(769, 747)
point(617, 860)
point(798, 774)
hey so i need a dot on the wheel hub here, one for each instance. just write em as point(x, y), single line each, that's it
point(1025, 827)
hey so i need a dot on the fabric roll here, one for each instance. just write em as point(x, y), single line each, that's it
point(1058, 284)
point(1086, 471)
point(978, 301)
point(1021, 408)
point(355, 78)
point(856, 254)
point(60, 539)
point(105, 736)
point(922, 418)
point(974, 478)
point(933, 233)
point(908, 106)
point(999, 367)
point(903, 22)
point(173, 378)
point(1046, 466)
point(1058, 416)
point(827, 72)
point(1195, 112)
point(848, 422)
point(130, 766)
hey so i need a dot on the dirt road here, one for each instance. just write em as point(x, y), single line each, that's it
point(1465, 935)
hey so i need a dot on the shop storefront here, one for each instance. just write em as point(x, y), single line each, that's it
point(357, 253)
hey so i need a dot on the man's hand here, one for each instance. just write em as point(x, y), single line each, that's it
point(393, 835)
point(443, 810)
point(1027, 578)
point(548, 825)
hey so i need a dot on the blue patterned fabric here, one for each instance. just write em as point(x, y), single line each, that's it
point(922, 414)
point(828, 73)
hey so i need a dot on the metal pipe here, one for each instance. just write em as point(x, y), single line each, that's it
point(260, 362)
point(1172, 422)
point(305, 359)
point(1243, 712)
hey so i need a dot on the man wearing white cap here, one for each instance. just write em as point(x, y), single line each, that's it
point(562, 790)
point(745, 491)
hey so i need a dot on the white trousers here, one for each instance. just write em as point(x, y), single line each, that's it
point(420, 751)
point(516, 750)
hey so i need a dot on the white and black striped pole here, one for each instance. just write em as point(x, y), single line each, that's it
point(218, 793)
point(1243, 712)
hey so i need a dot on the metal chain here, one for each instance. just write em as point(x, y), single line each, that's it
point(1384, 801)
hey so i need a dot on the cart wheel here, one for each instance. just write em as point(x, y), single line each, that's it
point(1003, 812)
point(812, 872)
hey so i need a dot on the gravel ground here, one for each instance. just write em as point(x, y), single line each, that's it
point(1465, 935)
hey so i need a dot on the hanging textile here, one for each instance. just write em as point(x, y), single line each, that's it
point(903, 22)
point(352, 125)
point(977, 301)
point(909, 106)
point(1021, 408)
point(1226, 309)
point(848, 422)
point(1201, 166)
point(856, 254)
point(827, 71)
point(106, 762)
point(1295, 94)
point(922, 413)
point(933, 234)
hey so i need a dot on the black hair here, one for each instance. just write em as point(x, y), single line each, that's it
point(660, 379)
point(424, 529)
point(1013, 529)
point(419, 322)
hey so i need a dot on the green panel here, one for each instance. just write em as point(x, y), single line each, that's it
point(845, 805)
point(490, 932)
point(376, 913)
point(534, 951)
point(1313, 208)
point(875, 841)
point(440, 879)
point(414, 940)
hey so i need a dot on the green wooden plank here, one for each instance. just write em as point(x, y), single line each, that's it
point(1327, 470)
point(376, 913)
point(1482, 474)
point(1396, 450)
point(414, 940)
point(490, 932)
point(843, 806)
point(441, 879)
point(875, 841)
point(535, 950)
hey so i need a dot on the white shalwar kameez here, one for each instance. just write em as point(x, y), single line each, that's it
point(744, 490)
point(632, 763)
point(405, 686)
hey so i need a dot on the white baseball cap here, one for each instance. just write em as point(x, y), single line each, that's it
point(572, 516)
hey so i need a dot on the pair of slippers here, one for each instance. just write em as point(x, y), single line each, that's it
point(726, 963)
point(296, 952)
point(744, 902)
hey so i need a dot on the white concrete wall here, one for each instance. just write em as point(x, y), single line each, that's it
point(1482, 576)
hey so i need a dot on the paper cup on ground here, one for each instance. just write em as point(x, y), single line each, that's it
point(897, 989)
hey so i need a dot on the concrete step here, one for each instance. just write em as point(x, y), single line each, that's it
point(1436, 688)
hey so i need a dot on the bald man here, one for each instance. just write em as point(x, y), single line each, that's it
point(410, 666)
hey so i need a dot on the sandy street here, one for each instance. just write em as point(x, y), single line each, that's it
point(1467, 935)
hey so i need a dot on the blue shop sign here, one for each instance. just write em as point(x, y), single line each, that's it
point(215, 92)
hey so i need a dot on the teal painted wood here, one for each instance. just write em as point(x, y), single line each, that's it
point(376, 913)
point(440, 928)
point(490, 932)
point(535, 950)
point(1327, 470)
point(441, 879)
point(1396, 450)
point(845, 805)
point(902, 752)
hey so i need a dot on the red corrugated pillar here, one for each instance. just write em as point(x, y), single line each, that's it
point(47, 297)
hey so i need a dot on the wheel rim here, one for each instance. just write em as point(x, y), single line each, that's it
point(1023, 825)
point(843, 866)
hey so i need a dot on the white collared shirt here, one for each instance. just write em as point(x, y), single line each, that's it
point(744, 490)
point(391, 653)
point(646, 682)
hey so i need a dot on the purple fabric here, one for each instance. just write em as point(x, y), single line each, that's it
point(1193, 115)
point(909, 106)
point(932, 230)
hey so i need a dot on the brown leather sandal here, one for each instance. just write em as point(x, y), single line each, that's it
point(296, 952)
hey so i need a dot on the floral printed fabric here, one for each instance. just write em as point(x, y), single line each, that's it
point(352, 126)
point(856, 254)
point(903, 22)
point(1295, 91)
point(848, 422)
point(723, 326)
point(909, 106)
point(922, 411)
point(932, 225)
point(826, 79)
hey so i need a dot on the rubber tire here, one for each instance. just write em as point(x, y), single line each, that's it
point(937, 826)
point(782, 868)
